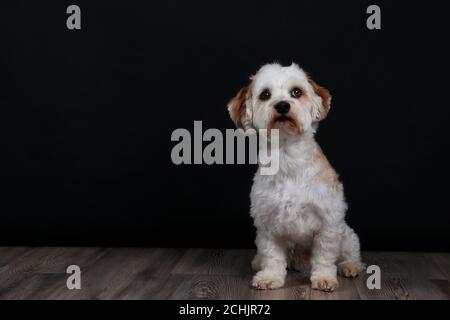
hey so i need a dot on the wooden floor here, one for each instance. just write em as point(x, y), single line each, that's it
point(155, 273)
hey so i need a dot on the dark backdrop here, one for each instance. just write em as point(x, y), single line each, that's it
point(86, 117)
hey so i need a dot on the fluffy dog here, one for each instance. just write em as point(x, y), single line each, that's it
point(299, 211)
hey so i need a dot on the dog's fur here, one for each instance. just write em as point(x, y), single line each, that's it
point(298, 212)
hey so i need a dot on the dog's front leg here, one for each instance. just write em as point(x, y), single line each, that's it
point(272, 256)
point(325, 252)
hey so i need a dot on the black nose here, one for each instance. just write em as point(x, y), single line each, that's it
point(282, 107)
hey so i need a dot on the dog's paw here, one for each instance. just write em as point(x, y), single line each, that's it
point(324, 284)
point(350, 269)
point(265, 280)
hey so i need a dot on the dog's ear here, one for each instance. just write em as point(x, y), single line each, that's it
point(322, 106)
point(238, 108)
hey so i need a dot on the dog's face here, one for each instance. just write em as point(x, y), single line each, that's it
point(281, 98)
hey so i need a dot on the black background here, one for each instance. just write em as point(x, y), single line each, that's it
point(86, 117)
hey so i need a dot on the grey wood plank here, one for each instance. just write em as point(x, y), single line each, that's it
point(231, 287)
point(52, 260)
point(154, 282)
point(215, 261)
point(442, 260)
point(196, 287)
point(113, 275)
point(403, 276)
point(391, 289)
point(404, 264)
point(9, 254)
point(36, 287)
point(444, 286)
point(156, 273)
point(45, 260)
point(145, 287)
point(424, 289)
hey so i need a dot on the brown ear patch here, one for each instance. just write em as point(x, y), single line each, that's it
point(325, 95)
point(236, 107)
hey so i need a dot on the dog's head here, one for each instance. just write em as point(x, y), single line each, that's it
point(283, 98)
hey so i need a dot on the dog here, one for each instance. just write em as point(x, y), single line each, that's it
point(299, 212)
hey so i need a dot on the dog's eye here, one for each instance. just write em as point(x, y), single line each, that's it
point(296, 92)
point(265, 95)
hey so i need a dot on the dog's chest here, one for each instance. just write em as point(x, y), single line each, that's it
point(285, 206)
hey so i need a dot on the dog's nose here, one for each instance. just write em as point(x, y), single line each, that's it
point(282, 107)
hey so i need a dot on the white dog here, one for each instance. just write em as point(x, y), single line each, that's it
point(298, 212)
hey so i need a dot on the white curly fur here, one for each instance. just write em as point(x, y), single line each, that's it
point(299, 211)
